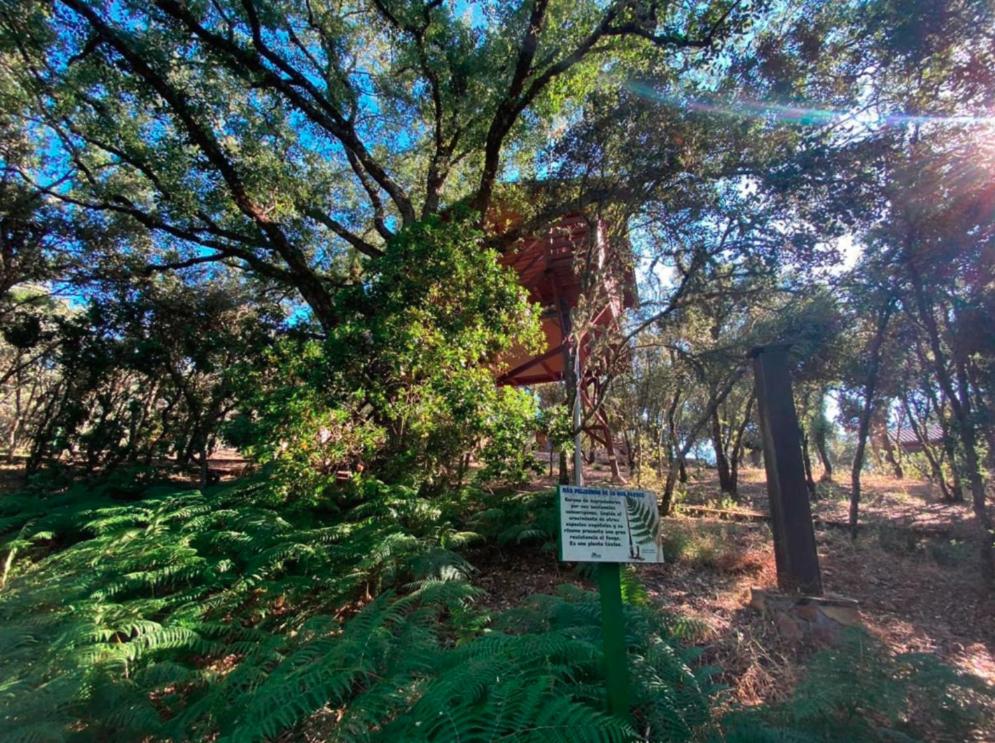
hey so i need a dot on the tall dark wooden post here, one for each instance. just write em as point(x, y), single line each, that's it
point(791, 518)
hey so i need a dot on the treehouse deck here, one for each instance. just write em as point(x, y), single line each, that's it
point(570, 260)
point(556, 267)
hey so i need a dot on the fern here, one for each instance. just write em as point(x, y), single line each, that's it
point(643, 519)
point(230, 615)
point(519, 518)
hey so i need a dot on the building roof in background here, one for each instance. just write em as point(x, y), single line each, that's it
point(906, 436)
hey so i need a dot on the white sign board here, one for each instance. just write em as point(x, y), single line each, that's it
point(605, 525)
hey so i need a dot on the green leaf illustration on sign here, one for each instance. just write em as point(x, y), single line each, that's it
point(643, 519)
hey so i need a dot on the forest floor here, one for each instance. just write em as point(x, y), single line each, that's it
point(913, 570)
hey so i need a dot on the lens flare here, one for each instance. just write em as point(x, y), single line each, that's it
point(745, 108)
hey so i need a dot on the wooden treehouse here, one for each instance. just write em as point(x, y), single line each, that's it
point(571, 259)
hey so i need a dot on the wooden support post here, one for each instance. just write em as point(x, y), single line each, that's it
point(569, 380)
point(791, 518)
point(578, 416)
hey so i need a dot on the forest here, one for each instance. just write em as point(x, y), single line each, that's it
point(311, 309)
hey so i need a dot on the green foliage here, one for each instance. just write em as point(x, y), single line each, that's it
point(230, 613)
point(708, 546)
point(509, 437)
point(633, 590)
point(674, 541)
point(402, 385)
point(518, 518)
point(141, 374)
point(669, 696)
point(115, 613)
point(557, 424)
point(186, 615)
point(951, 552)
point(859, 690)
point(898, 540)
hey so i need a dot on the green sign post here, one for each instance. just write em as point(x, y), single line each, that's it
point(610, 527)
point(613, 629)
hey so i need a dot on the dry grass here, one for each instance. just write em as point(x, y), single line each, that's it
point(913, 570)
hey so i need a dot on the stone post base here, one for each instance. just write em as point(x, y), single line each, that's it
point(797, 618)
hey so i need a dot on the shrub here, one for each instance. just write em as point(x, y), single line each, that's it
point(860, 690)
point(115, 612)
point(899, 540)
point(517, 518)
point(674, 540)
point(402, 387)
point(951, 552)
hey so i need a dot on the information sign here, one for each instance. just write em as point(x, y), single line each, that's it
point(607, 525)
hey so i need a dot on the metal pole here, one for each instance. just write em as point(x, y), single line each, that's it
point(609, 580)
point(578, 418)
point(613, 628)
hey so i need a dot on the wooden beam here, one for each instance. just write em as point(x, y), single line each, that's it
point(791, 517)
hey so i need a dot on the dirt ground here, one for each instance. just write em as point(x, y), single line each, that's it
point(913, 570)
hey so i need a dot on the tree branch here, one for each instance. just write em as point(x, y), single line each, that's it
point(304, 278)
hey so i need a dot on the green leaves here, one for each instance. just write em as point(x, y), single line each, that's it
point(109, 595)
point(185, 615)
point(403, 387)
point(644, 520)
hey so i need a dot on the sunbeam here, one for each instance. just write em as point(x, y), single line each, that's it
point(803, 115)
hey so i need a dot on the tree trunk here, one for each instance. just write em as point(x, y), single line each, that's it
point(678, 458)
point(936, 473)
point(864, 425)
point(820, 433)
point(205, 472)
point(827, 465)
point(18, 421)
point(960, 404)
point(726, 484)
point(630, 448)
point(807, 464)
point(681, 451)
point(668, 490)
point(940, 409)
point(660, 458)
point(737, 444)
point(891, 454)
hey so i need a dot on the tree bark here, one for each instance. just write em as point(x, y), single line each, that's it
point(960, 404)
point(891, 455)
point(807, 463)
point(864, 425)
point(737, 446)
point(682, 468)
point(682, 450)
point(674, 457)
point(922, 436)
point(726, 483)
point(827, 464)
